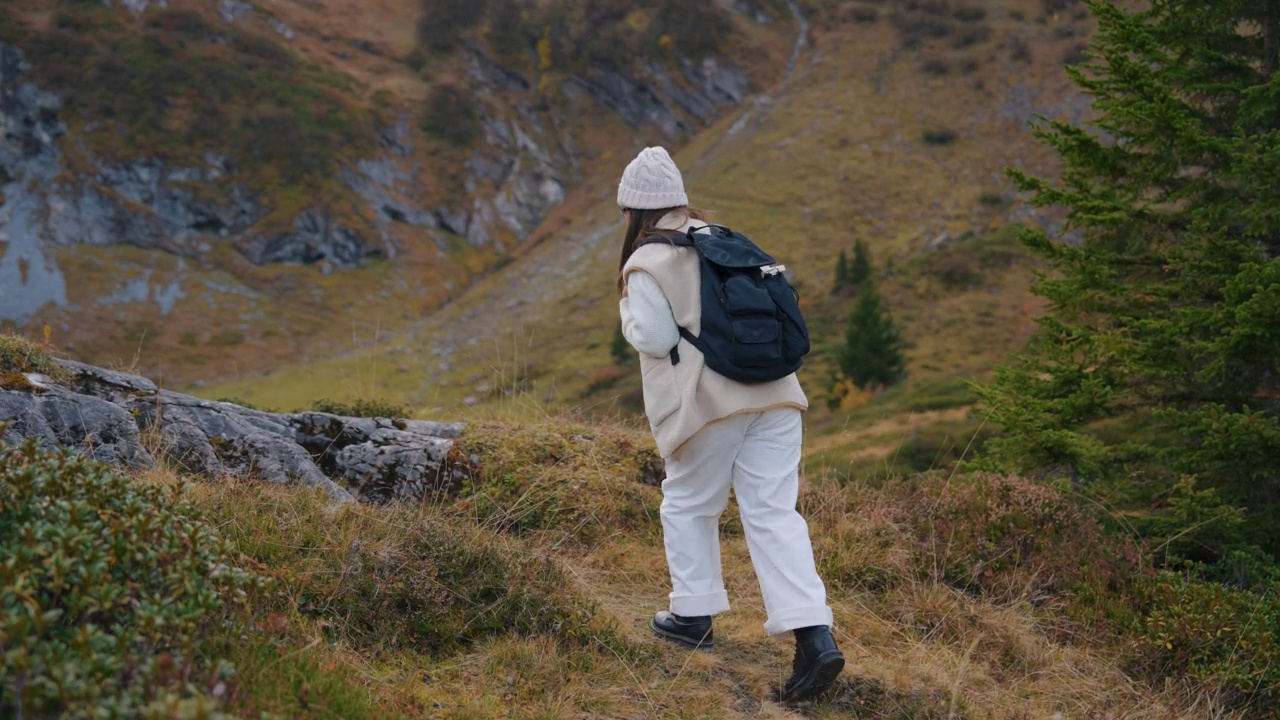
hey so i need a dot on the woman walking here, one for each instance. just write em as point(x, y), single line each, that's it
point(715, 433)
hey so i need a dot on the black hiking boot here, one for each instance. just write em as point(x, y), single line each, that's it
point(818, 661)
point(691, 632)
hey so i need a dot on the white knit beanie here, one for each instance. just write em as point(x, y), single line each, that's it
point(652, 182)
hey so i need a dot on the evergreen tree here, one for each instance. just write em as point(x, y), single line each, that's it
point(860, 271)
point(872, 353)
point(842, 273)
point(620, 349)
point(1159, 354)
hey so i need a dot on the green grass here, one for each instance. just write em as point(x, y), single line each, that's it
point(19, 357)
point(163, 89)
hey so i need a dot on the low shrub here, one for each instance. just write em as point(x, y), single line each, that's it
point(1076, 55)
point(972, 36)
point(106, 590)
point(865, 15)
point(576, 481)
point(19, 356)
point(966, 263)
point(226, 338)
point(936, 66)
point(970, 14)
point(994, 199)
point(451, 115)
point(914, 30)
point(859, 541)
point(1056, 6)
point(1224, 638)
point(397, 577)
point(991, 538)
point(443, 20)
point(938, 136)
point(956, 270)
point(1016, 539)
point(362, 407)
point(1019, 50)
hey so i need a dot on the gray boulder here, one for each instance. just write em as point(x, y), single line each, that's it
point(103, 413)
point(93, 426)
point(20, 420)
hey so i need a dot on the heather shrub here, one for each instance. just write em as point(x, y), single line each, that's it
point(997, 537)
point(106, 590)
point(1011, 538)
point(867, 546)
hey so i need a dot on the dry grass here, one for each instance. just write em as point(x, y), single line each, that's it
point(568, 497)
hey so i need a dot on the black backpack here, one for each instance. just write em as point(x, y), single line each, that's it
point(752, 329)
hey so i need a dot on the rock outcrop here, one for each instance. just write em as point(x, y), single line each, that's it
point(105, 414)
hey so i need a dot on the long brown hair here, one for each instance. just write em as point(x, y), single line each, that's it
point(642, 226)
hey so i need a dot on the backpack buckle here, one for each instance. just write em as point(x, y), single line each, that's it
point(769, 270)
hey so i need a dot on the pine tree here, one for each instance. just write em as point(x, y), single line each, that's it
point(860, 271)
point(620, 349)
point(1159, 354)
point(872, 353)
point(842, 273)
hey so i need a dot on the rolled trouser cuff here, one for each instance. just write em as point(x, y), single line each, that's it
point(788, 620)
point(698, 605)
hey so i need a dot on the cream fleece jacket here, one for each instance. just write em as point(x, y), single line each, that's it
point(663, 294)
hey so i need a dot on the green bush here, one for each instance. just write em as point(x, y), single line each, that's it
point(940, 136)
point(19, 356)
point(1016, 539)
point(451, 115)
point(106, 589)
point(1225, 638)
point(366, 408)
point(443, 20)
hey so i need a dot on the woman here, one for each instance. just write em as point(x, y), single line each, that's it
point(713, 433)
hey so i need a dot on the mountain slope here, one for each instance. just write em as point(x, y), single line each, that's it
point(883, 134)
point(206, 185)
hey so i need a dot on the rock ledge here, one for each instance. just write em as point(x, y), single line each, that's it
point(104, 414)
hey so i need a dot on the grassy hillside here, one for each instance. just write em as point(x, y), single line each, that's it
point(527, 596)
point(895, 129)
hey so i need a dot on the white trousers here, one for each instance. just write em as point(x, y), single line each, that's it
point(759, 455)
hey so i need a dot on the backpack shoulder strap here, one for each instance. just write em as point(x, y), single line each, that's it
point(670, 237)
